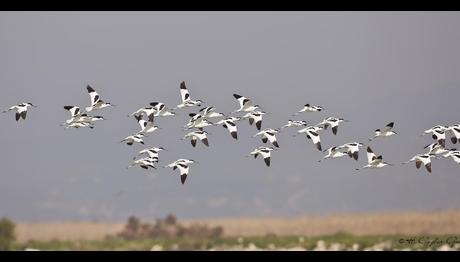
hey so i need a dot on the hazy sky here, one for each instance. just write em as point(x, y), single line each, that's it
point(369, 67)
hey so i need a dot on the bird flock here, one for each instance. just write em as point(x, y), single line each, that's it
point(149, 157)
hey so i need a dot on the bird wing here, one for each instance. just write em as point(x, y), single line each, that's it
point(74, 110)
point(370, 155)
point(388, 127)
point(184, 92)
point(272, 138)
point(244, 102)
point(93, 95)
point(315, 138)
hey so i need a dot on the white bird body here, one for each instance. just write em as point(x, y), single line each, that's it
point(333, 152)
point(436, 149)
point(209, 112)
point(152, 152)
point(333, 122)
point(79, 124)
point(145, 162)
point(146, 126)
point(255, 117)
point(310, 108)
point(183, 166)
point(312, 132)
point(161, 109)
point(454, 154)
point(229, 124)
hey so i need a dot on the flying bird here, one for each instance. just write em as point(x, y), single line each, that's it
point(353, 149)
point(255, 117)
point(185, 96)
point(454, 154)
point(138, 138)
point(161, 109)
point(265, 152)
point(152, 152)
point(209, 112)
point(145, 163)
point(230, 125)
point(333, 122)
point(268, 134)
point(310, 108)
point(373, 160)
point(295, 123)
point(195, 135)
point(183, 166)
point(420, 159)
point(333, 152)
point(312, 133)
point(21, 110)
point(246, 104)
point(146, 126)
point(96, 102)
point(455, 130)
point(386, 131)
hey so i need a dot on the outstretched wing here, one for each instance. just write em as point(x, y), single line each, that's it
point(184, 92)
point(315, 138)
point(244, 102)
point(388, 127)
point(370, 155)
point(183, 169)
point(94, 96)
point(74, 110)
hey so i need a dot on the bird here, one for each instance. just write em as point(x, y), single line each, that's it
point(386, 131)
point(265, 152)
point(436, 149)
point(146, 126)
point(310, 108)
point(333, 152)
point(229, 124)
point(145, 162)
point(161, 109)
point(74, 112)
point(201, 135)
point(268, 134)
point(333, 122)
point(352, 149)
point(183, 166)
point(246, 104)
point(312, 133)
point(197, 121)
point(96, 101)
point(78, 125)
point(147, 110)
point(454, 154)
point(209, 112)
point(455, 130)
point(21, 110)
point(185, 96)
point(152, 152)
point(373, 160)
point(296, 123)
point(255, 117)
point(420, 159)
point(138, 138)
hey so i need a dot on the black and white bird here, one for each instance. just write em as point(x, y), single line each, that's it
point(138, 138)
point(195, 135)
point(265, 152)
point(352, 149)
point(295, 123)
point(312, 132)
point(255, 117)
point(152, 152)
point(373, 161)
point(436, 149)
point(268, 134)
point(197, 121)
point(454, 154)
point(96, 101)
point(246, 104)
point(455, 130)
point(146, 126)
point(185, 96)
point(333, 122)
point(209, 112)
point(74, 112)
point(333, 152)
point(161, 109)
point(420, 159)
point(145, 163)
point(183, 166)
point(386, 131)
point(147, 110)
point(21, 110)
point(230, 125)
point(78, 125)
point(310, 108)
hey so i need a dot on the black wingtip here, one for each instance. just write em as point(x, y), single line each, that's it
point(369, 150)
point(182, 85)
point(183, 177)
point(391, 124)
point(237, 96)
point(90, 89)
point(267, 161)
